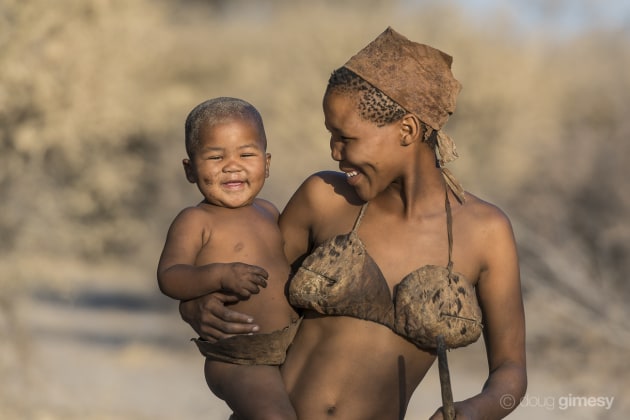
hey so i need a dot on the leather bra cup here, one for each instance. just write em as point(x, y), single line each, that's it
point(341, 278)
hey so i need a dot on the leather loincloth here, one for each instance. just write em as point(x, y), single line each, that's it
point(255, 349)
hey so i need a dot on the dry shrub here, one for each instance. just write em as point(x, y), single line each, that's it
point(77, 156)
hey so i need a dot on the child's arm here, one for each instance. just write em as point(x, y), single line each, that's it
point(179, 278)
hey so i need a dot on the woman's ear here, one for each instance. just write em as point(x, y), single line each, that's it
point(410, 130)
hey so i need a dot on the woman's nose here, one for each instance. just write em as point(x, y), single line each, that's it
point(336, 150)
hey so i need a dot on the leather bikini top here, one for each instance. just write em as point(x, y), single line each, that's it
point(340, 278)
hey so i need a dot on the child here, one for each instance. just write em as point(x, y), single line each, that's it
point(227, 159)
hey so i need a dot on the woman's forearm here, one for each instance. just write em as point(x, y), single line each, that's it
point(502, 392)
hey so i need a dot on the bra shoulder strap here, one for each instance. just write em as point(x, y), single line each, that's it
point(359, 217)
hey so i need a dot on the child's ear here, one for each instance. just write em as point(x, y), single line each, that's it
point(267, 164)
point(410, 129)
point(189, 170)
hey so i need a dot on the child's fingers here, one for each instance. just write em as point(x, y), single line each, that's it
point(260, 281)
point(255, 270)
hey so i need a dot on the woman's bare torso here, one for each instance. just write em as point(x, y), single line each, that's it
point(350, 368)
point(340, 367)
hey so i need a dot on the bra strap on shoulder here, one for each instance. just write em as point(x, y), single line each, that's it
point(359, 217)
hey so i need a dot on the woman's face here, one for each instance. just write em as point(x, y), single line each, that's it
point(368, 154)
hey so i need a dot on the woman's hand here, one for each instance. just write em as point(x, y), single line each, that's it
point(209, 317)
point(463, 411)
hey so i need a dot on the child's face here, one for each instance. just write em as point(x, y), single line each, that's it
point(230, 164)
point(368, 154)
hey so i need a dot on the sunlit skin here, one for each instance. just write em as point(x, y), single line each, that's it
point(230, 164)
point(231, 244)
point(360, 147)
point(341, 367)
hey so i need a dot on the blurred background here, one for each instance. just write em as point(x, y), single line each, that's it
point(93, 98)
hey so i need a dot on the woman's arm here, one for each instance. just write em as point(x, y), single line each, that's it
point(499, 291)
point(296, 221)
point(310, 216)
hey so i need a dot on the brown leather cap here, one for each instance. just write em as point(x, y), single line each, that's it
point(416, 76)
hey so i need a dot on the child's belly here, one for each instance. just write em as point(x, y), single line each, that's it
point(270, 307)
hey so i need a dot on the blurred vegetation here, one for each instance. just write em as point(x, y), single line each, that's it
point(94, 93)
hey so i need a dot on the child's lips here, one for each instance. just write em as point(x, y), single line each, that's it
point(234, 184)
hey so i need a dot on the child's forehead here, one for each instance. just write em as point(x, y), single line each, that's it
point(234, 122)
point(235, 119)
point(245, 129)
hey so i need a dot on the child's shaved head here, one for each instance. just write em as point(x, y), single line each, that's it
point(217, 111)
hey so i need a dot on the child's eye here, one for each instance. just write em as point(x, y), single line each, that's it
point(214, 157)
point(248, 155)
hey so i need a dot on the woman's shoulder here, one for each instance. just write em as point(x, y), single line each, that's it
point(328, 188)
point(324, 204)
point(322, 178)
point(486, 219)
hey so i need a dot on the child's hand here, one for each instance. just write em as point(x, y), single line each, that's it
point(243, 279)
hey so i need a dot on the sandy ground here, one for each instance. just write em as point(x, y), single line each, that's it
point(123, 353)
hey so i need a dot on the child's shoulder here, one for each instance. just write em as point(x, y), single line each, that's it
point(189, 220)
point(194, 211)
point(268, 207)
point(193, 215)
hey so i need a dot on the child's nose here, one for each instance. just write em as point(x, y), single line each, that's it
point(232, 165)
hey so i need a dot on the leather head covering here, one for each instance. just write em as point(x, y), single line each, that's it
point(417, 77)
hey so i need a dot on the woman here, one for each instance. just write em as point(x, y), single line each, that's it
point(379, 282)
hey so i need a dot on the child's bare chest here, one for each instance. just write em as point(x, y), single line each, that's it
point(251, 238)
